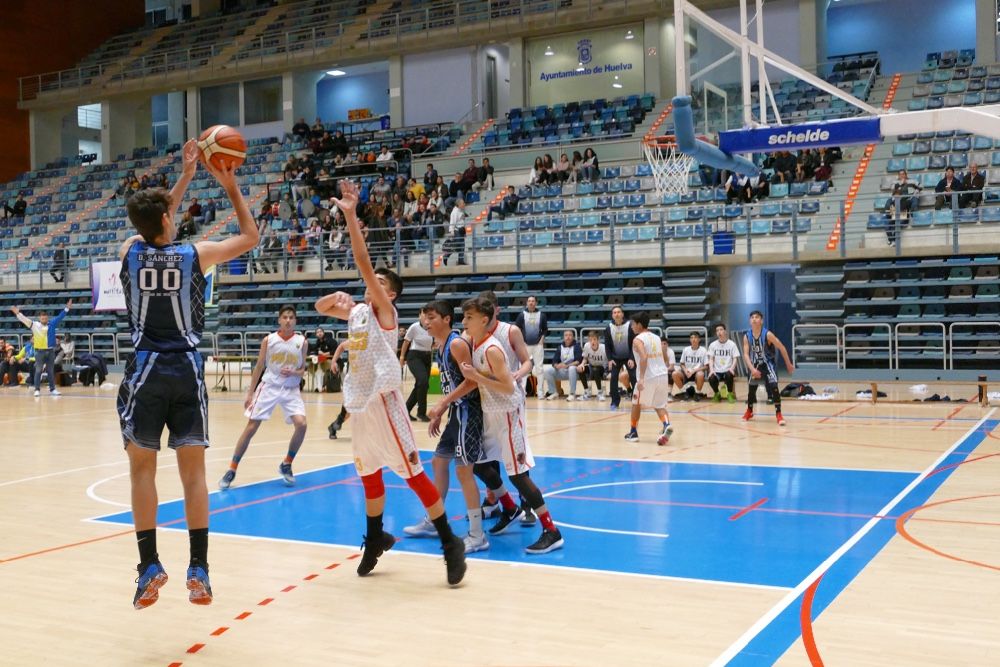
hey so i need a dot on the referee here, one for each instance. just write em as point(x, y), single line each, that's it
point(416, 355)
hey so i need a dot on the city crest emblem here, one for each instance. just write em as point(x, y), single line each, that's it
point(584, 52)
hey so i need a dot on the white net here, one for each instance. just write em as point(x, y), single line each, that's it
point(670, 167)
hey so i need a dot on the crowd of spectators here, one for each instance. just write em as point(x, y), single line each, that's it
point(583, 167)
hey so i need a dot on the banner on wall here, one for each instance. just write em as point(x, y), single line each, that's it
point(106, 286)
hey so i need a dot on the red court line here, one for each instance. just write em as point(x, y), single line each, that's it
point(354, 556)
point(67, 546)
point(333, 566)
point(310, 577)
point(286, 589)
point(837, 414)
point(960, 463)
point(805, 621)
point(219, 631)
point(243, 616)
point(195, 648)
point(265, 602)
point(175, 664)
point(749, 508)
point(909, 515)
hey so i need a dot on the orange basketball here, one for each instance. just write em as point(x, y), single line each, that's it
point(222, 145)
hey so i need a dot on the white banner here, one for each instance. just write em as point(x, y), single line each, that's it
point(106, 286)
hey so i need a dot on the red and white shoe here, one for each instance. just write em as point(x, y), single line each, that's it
point(780, 419)
point(748, 415)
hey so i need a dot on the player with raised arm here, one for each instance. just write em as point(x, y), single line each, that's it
point(652, 387)
point(758, 353)
point(164, 384)
point(282, 363)
point(383, 433)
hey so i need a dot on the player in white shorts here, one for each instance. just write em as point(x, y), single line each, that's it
point(383, 436)
point(282, 362)
point(652, 387)
point(503, 425)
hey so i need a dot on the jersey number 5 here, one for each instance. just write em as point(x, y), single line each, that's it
point(154, 280)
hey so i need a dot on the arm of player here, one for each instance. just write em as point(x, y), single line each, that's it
point(211, 253)
point(503, 383)
point(460, 353)
point(781, 348)
point(639, 350)
point(521, 350)
point(338, 304)
point(754, 373)
point(189, 160)
point(402, 352)
point(336, 355)
point(258, 370)
point(348, 203)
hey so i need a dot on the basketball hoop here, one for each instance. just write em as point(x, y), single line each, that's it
point(670, 167)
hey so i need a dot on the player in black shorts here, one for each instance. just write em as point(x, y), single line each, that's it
point(164, 383)
point(758, 352)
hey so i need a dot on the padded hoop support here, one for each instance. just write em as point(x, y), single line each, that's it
point(701, 151)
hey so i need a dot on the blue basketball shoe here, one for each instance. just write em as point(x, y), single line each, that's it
point(198, 585)
point(149, 583)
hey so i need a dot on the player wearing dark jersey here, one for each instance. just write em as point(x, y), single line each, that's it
point(164, 383)
point(758, 353)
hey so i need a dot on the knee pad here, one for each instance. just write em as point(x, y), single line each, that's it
point(424, 488)
point(374, 487)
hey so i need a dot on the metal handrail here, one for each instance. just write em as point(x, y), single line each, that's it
point(921, 325)
point(870, 325)
point(952, 346)
point(837, 336)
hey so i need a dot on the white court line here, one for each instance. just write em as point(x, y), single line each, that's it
point(503, 563)
point(717, 464)
point(124, 461)
point(43, 417)
point(609, 530)
point(794, 594)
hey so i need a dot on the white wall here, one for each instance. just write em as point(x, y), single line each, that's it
point(439, 86)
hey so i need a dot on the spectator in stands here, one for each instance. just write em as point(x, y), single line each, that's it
point(380, 237)
point(430, 177)
point(60, 262)
point(301, 129)
point(402, 237)
point(594, 366)
point(16, 361)
point(209, 211)
point(318, 128)
point(694, 361)
point(738, 189)
point(385, 155)
point(455, 240)
point(824, 172)
point(340, 145)
point(947, 190)
point(415, 188)
point(196, 211)
point(577, 166)
point(538, 175)
point(485, 177)
point(8, 211)
point(399, 187)
point(973, 186)
point(591, 169)
point(566, 361)
point(338, 250)
point(784, 165)
point(409, 207)
point(325, 144)
point(550, 169)
point(187, 228)
point(433, 222)
point(903, 191)
point(564, 168)
point(297, 245)
point(534, 325)
point(709, 175)
point(20, 206)
point(470, 177)
point(507, 205)
point(761, 187)
point(455, 191)
point(381, 187)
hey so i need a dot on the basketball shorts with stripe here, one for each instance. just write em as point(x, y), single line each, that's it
point(655, 392)
point(269, 396)
point(382, 436)
point(164, 389)
point(506, 441)
point(462, 438)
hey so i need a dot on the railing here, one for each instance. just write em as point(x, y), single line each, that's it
point(503, 17)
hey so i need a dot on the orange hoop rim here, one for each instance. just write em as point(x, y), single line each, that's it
point(667, 141)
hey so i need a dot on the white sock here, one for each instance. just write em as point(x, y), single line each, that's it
point(476, 522)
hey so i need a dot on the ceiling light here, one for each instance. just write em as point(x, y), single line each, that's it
point(336, 72)
point(617, 83)
point(549, 51)
point(629, 35)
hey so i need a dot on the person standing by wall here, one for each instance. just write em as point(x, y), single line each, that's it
point(415, 354)
point(533, 323)
point(43, 336)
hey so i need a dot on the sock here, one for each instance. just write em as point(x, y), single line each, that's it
point(666, 424)
point(634, 425)
point(476, 521)
point(443, 528)
point(289, 457)
point(507, 502)
point(234, 464)
point(198, 539)
point(374, 527)
point(491, 497)
point(146, 539)
point(547, 522)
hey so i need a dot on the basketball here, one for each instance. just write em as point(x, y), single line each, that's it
point(222, 145)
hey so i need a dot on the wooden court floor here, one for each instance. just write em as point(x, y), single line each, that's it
point(929, 595)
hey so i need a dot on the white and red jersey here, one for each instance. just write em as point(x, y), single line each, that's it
point(283, 353)
point(655, 366)
point(493, 401)
point(501, 332)
point(374, 364)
